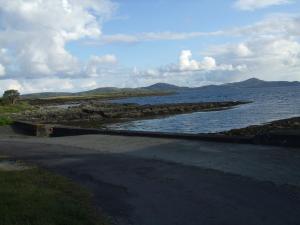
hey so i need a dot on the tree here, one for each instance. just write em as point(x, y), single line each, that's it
point(11, 96)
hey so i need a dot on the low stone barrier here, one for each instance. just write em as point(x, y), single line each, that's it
point(68, 131)
point(30, 129)
point(283, 138)
point(24, 128)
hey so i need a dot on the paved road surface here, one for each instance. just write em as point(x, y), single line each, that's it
point(151, 181)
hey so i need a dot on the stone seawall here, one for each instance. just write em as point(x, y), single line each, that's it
point(287, 138)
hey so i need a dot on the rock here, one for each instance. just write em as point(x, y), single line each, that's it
point(261, 130)
point(43, 130)
point(105, 112)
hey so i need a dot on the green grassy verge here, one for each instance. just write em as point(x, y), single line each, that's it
point(37, 197)
point(5, 121)
point(19, 107)
point(7, 110)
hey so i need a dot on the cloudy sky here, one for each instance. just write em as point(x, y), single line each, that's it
point(72, 45)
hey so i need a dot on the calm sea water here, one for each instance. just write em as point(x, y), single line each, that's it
point(268, 104)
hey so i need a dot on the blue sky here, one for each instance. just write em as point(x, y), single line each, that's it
point(137, 16)
point(135, 42)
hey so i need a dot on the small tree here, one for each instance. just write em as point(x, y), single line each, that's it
point(11, 96)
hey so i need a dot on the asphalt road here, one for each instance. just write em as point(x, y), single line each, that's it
point(151, 181)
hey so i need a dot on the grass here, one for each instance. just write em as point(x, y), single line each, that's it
point(5, 121)
point(37, 197)
point(104, 96)
point(7, 110)
point(19, 107)
point(108, 95)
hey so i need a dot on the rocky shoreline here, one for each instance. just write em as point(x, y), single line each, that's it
point(285, 125)
point(102, 112)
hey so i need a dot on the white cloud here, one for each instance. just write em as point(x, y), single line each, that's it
point(32, 45)
point(270, 58)
point(106, 59)
point(258, 4)
point(186, 63)
point(270, 48)
point(36, 32)
point(89, 84)
point(2, 70)
point(191, 72)
point(150, 36)
point(208, 63)
point(100, 65)
point(270, 51)
point(239, 50)
point(272, 25)
point(10, 84)
point(50, 84)
point(37, 85)
point(243, 50)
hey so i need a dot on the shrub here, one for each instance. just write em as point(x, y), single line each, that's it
point(11, 96)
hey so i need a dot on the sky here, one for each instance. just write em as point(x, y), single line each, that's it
point(75, 45)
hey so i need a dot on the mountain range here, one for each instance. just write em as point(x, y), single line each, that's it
point(250, 83)
point(165, 87)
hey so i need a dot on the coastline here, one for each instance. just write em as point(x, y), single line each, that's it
point(100, 113)
point(277, 137)
point(283, 125)
point(92, 117)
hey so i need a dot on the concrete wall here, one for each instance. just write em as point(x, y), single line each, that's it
point(284, 138)
point(24, 128)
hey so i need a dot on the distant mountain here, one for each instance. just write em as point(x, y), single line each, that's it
point(46, 95)
point(107, 90)
point(159, 87)
point(165, 87)
point(99, 91)
point(256, 83)
point(104, 90)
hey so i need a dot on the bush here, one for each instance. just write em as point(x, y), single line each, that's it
point(11, 96)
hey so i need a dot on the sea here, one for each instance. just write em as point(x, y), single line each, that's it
point(268, 104)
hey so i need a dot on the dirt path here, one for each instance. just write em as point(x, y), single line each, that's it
point(148, 181)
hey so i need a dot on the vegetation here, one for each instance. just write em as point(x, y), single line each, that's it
point(6, 110)
point(166, 88)
point(37, 197)
point(104, 96)
point(5, 121)
point(10, 102)
point(9, 109)
point(11, 96)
